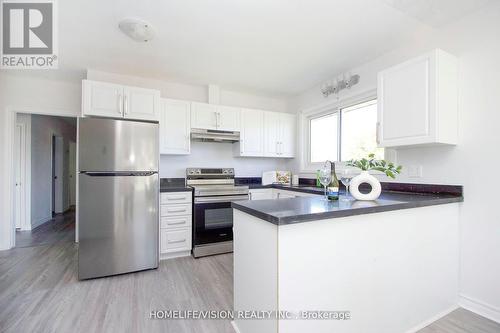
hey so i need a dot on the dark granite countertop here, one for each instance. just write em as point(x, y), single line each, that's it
point(304, 209)
point(174, 185)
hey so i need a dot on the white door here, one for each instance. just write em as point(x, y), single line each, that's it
point(20, 175)
point(175, 127)
point(271, 133)
point(204, 116)
point(252, 133)
point(405, 102)
point(287, 135)
point(58, 169)
point(141, 104)
point(72, 173)
point(228, 118)
point(102, 99)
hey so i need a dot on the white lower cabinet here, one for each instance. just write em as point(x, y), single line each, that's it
point(274, 193)
point(261, 194)
point(175, 224)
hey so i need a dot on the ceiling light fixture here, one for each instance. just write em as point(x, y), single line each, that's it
point(335, 87)
point(137, 29)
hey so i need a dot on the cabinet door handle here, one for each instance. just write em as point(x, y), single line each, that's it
point(125, 104)
point(377, 133)
point(249, 195)
point(120, 104)
point(177, 241)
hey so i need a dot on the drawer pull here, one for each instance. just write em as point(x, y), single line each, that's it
point(177, 209)
point(178, 197)
point(177, 241)
point(175, 223)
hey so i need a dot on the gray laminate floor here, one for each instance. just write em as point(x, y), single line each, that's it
point(59, 229)
point(39, 292)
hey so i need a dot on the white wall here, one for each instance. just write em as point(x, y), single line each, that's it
point(23, 92)
point(474, 40)
point(42, 130)
point(210, 154)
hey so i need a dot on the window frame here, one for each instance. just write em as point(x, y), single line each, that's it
point(306, 166)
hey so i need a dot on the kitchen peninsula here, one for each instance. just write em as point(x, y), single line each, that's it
point(391, 263)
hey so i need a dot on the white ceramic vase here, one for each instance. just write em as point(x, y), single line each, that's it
point(362, 178)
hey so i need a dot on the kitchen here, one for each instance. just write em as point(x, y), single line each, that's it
point(235, 145)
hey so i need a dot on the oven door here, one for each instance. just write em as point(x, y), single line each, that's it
point(213, 219)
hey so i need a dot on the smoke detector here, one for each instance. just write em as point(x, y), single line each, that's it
point(137, 29)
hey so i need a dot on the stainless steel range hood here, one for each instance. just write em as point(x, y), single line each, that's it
point(214, 135)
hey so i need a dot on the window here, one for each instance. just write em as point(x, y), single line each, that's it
point(341, 135)
point(359, 131)
point(324, 138)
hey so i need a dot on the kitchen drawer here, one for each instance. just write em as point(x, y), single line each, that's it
point(175, 198)
point(175, 222)
point(175, 210)
point(175, 240)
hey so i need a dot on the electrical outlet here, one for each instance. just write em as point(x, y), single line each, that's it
point(415, 171)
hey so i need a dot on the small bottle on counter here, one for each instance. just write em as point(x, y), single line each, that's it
point(333, 187)
point(318, 183)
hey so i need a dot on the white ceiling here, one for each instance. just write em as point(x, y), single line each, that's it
point(277, 47)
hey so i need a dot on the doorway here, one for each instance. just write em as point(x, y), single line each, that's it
point(45, 160)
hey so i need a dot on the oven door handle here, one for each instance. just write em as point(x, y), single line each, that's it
point(221, 199)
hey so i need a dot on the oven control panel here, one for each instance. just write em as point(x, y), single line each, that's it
point(213, 172)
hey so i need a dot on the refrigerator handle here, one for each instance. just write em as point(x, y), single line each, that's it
point(120, 104)
point(119, 173)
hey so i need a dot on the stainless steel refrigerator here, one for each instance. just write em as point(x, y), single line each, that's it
point(118, 189)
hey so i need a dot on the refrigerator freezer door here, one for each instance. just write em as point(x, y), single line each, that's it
point(118, 224)
point(117, 145)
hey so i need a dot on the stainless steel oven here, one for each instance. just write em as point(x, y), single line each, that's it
point(214, 190)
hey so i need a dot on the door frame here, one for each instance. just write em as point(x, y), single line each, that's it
point(54, 138)
point(7, 220)
point(26, 178)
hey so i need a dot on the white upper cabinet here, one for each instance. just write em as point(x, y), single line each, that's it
point(215, 117)
point(228, 118)
point(251, 134)
point(102, 99)
point(287, 135)
point(418, 101)
point(204, 116)
point(141, 104)
point(175, 127)
point(271, 133)
point(117, 101)
point(279, 134)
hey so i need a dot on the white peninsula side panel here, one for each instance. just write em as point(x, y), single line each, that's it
point(255, 243)
point(394, 271)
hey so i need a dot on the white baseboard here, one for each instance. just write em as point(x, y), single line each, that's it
point(236, 329)
point(164, 256)
point(486, 310)
point(432, 319)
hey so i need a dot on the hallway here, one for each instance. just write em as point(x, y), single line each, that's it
point(61, 228)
